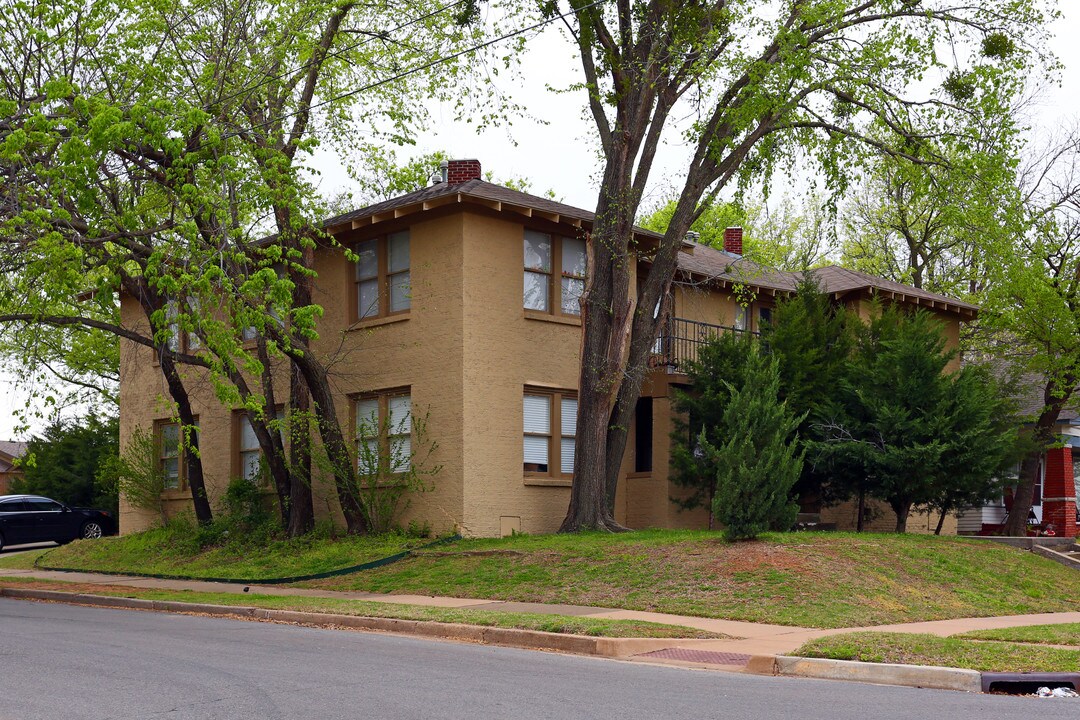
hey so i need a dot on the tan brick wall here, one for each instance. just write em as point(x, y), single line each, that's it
point(466, 350)
point(883, 519)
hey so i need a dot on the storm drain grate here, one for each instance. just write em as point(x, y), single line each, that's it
point(698, 656)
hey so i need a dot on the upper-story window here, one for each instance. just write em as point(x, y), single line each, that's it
point(180, 341)
point(383, 282)
point(544, 290)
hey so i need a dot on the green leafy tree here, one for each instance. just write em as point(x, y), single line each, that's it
point(137, 474)
point(818, 78)
point(65, 461)
point(890, 427)
point(756, 459)
point(927, 225)
point(1031, 307)
point(153, 148)
point(784, 236)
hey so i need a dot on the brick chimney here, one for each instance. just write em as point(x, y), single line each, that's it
point(733, 240)
point(459, 171)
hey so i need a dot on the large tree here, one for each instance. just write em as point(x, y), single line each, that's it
point(164, 150)
point(763, 83)
point(1031, 309)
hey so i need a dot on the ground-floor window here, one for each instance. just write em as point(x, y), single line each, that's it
point(383, 432)
point(169, 442)
point(550, 425)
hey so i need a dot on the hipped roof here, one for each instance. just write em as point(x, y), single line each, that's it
point(701, 262)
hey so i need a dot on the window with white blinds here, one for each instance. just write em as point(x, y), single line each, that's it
point(550, 427)
point(383, 432)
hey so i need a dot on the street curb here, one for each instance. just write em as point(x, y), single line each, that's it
point(503, 637)
point(922, 676)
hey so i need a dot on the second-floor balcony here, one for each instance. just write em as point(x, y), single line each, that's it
point(680, 340)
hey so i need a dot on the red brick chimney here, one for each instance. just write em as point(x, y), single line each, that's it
point(733, 240)
point(459, 171)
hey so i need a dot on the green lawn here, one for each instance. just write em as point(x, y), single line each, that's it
point(1064, 634)
point(807, 579)
point(911, 649)
point(164, 552)
point(596, 627)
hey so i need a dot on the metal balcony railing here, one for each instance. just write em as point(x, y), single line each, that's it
point(680, 339)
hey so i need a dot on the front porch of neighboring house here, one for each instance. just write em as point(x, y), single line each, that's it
point(1053, 510)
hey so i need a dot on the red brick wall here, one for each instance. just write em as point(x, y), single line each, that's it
point(1059, 492)
point(459, 171)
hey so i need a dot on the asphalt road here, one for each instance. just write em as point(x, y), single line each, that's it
point(60, 661)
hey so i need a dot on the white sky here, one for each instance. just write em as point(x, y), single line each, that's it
point(555, 150)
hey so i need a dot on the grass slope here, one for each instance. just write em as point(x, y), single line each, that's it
point(911, 649)
point(808, 579)
point(167, 552)
point(1064, 634)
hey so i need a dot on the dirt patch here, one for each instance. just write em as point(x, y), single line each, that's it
point(758, 557)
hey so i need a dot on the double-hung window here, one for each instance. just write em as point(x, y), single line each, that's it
point(554, 273)
point(178, 341)
point(383, 281)
point(170, 454)
point(249, 455)
point(550, 424)
point(384, 433)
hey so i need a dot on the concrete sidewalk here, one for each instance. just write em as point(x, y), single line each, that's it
point(746, 639)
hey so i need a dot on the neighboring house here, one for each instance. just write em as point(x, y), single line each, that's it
point(463, 307)
point(10, 452)
point(1054, 499)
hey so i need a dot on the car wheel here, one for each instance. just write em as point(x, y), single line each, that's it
point(1, 542)
point(91, 531)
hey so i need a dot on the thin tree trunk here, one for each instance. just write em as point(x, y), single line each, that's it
point(337, 450)
point(1043, 435)
point(270, 442)
point(192, 461)
point(940, 523)
point(861, 510)
point(301, 505)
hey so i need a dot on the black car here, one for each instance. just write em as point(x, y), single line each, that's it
point(33, 519)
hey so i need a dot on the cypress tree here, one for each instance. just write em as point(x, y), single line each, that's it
point(756, 460)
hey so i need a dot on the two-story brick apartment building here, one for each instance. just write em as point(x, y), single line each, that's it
point(463, 307)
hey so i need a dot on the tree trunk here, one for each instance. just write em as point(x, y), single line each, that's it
point(1016, 525)
point(270, 442)
point(902, 510)
point(1043, 436)
point(940, 523)
point(301, 505)
point(861, 510)
point(655, 288)
point(605, 315)
point(337, 450)
point(192, 461)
